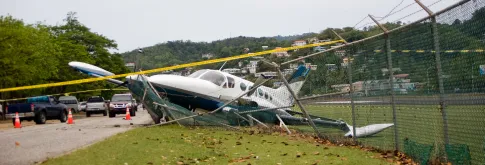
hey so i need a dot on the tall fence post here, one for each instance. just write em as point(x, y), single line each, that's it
point(349, 72)
point(297, 100)
point(439, 72)
point(391, 81)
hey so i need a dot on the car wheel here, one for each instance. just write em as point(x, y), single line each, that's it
point(40, 118)
point(63, 117)
point(88, 114)
point(112, 114)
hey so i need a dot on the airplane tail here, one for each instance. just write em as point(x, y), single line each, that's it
point(296, 81)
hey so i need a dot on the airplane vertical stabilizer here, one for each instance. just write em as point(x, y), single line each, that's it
point(296, 82)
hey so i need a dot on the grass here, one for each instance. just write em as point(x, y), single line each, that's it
point(420, 123)
point(178, 145)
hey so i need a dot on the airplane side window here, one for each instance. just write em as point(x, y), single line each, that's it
point(214, 77)
point(242, 86)
point(266, 95)
point(231, 82)
point(260, 92)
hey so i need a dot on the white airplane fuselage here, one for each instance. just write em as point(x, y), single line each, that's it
point(211, 88)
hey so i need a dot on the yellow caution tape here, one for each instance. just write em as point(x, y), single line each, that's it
point(168, 68)
point(405, 51)
point(420, 51)
point(92, 90)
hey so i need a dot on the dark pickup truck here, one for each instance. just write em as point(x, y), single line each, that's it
point(39, 109)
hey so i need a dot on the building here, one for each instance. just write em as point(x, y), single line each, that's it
point(267, 74)
point(346, 60)
point(331, 67)
point(340, 53)
point(299, 43)
point(232, 70)
point(385, 71)
point(293, 66)
point(288, 71)
point(130, 64)
point(280, 53)
point(318, 49)
point(375, 87)
point(252, 66)
point(208, 55)
point(313, 67)
point(313, 40)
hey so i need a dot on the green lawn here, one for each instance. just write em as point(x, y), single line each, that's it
point(420, 123)
point(178, 145)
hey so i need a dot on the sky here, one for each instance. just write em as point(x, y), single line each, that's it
point(133, 24)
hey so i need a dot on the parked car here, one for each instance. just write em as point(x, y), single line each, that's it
point(96, 105)
point(119, 103)
point(39, 109)
point(82, 106)
point(71, 102)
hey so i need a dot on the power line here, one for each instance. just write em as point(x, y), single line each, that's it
point(393, 9)
point(360, 21)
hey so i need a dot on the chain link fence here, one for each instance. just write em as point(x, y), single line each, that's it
point(420, 85)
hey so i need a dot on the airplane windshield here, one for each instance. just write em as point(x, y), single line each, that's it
point(214, 77)
point(198, 73)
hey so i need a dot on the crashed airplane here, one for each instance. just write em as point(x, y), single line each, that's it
point(210, 89)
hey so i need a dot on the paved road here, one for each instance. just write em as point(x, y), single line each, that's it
point(39, 142)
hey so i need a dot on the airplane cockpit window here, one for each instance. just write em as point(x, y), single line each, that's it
point(243, 86)
point(214, 77)
point(197, 73)
point(231, 82)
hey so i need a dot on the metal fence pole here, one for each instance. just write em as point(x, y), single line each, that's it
point(439, 73)
point(352, 104)
point(297, 100)
point(391, 81)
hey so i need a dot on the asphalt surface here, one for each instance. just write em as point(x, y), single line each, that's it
point(34, 144)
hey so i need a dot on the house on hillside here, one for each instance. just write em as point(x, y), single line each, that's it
point(318, 49)
point(280, 53)
point(208, 55)
point(232, 70)
point(299, 43)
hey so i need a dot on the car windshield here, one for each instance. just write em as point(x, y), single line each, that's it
point(121, 98)
point(214, 77)
point(95, 99)
point(198, 73)
point(68, 101)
